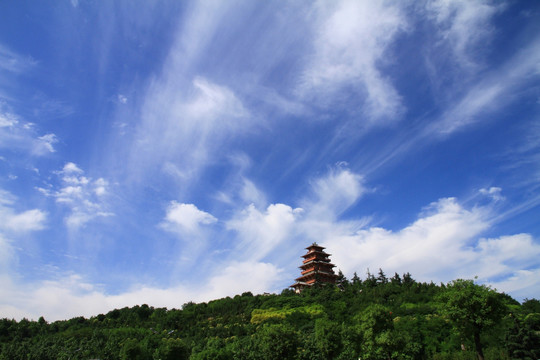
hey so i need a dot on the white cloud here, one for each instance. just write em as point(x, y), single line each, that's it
point(465, 25)
point(503, 255)
point(100, 188)
point(521, 284)
point(185, 129)
point(186, 119)
point(334, 193)
point(238, 277)
point(44, 144)
point(8, 120)
point(84, 196)
point(251, 194)
point(12, 225)
point(186, 218)
point(122, 99)
point(260, 232)
point(70, 168)
point(351, 40)
point(492, 92)
point(29, 220)
point(16, 134)
point(70, 295)
point(12, 62)
point(493, 192)
point(441, 245)
point(6, 198)
point(13, 222)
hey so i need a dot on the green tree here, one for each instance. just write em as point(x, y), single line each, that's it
point(471, 308)
point(523, 338)
point(277, 341)
point(396, 279)
point(328, 338)
point(356, 279)
point(341, 280)
point(133, 350)
point(381, 278)
point(172, 349)
point(531, 306)
point(375, 322)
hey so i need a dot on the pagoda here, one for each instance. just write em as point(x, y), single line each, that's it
point(316, 269)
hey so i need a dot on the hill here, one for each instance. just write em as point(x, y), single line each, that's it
point(375, 318)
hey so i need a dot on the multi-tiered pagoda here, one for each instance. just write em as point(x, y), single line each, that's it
point(316, 269)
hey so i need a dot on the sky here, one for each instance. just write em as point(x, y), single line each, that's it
point(163, 152)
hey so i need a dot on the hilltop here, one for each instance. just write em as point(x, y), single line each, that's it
point(375, 318)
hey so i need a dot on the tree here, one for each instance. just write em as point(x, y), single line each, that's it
point(407, 279)
point(471, 308)
point(378, 340)
point(371, 280)
point(356, 282)
point(276, 342)
point(172, 349)
point(341, 280)
point(328, 338)
point(381, 279)
point(523, 338)
point(530, 306)
point(133, 350)
point(396, 279)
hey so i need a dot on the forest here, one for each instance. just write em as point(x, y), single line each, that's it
point(378, 317)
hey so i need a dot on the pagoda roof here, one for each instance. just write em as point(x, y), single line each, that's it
point(325, 262)
point(315, 252)
point(300, 283)
point(315, 245)
point(315, 272)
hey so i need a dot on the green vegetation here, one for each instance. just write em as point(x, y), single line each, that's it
point(376, 318)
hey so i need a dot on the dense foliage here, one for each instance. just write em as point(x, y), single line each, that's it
point(377, 318)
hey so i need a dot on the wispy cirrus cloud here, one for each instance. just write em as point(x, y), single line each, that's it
point(185, 129)
point(464, 26)
point(16, 133)
point(350, 42)
point(334, 193)
point(19, 135)
point(12, 62)
point(491, 92)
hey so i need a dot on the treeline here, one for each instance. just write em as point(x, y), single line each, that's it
point(375, 318)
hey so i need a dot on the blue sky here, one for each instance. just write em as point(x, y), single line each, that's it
point(166, 152)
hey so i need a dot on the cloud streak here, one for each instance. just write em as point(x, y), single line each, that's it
point(352, 37)
point(19, 135)
point(186, 129)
